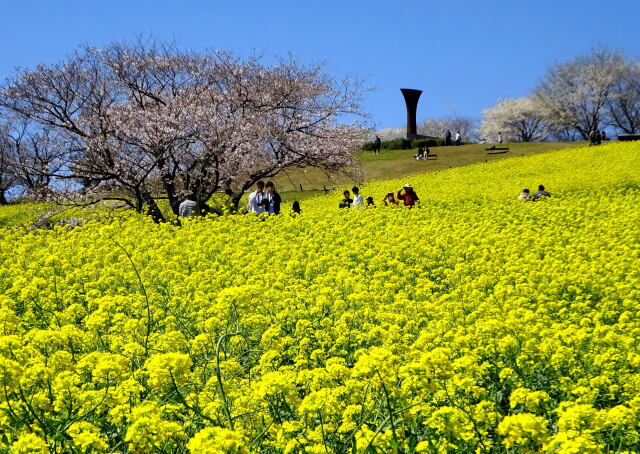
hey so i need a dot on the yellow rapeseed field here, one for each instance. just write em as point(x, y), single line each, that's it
point(476, 323)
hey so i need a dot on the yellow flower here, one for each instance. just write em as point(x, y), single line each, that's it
point(217, 440)
point(30, 444)
point(523, 429)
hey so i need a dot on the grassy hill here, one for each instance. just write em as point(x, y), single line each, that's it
point(400, 163)
point(474, 323)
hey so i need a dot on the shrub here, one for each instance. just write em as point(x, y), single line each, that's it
point(435, 142)
point(396, 144)
point(404, 144)
point(368, 146)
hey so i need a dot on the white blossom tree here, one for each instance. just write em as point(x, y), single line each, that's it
point(391, 133)
point(517, 119)
point(575, 94)
point(146, 121)
point(437, 127)
point(623, 104)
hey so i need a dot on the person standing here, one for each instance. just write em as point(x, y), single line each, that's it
point(500, 137)
point(409, 197)
point(458, 138)
point(257, 199)
point(188, 208)
point(592, 137)
point(347, 201)
point(377, 144)
point(273, 199)
point(358, 201)
point(447, 138)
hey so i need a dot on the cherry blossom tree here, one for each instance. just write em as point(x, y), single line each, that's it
point(623, 104)
point(575, 94)
point(7, 179)
point(519, 120)
point(437, 127)
point(35, 154)
point(148, 121)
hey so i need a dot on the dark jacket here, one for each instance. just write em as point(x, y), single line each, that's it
point(276, 199)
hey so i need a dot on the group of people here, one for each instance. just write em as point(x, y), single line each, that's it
point(265, 199)
point(457, 139)
point(407, 195)
point(525, 195)
point(597, 137)
point(423, 153)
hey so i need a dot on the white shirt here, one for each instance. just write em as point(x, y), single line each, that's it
point(358, 201)
point(254, 203)
point(458, 136)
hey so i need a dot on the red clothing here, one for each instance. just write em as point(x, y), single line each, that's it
point(409, 199)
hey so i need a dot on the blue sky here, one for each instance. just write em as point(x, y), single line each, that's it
point(464, 55)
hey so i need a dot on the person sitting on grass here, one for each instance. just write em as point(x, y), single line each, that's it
point(389, 199)
point(420, 154)
point(541, 193)
point(347, 201)
point(409, 197)
point(524, 195)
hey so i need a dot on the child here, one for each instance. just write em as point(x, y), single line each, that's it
point(389, 199)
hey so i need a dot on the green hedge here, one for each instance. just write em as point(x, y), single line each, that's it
point(428, 143)
point(404, 144)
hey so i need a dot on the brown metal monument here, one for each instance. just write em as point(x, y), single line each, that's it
point(411, 98)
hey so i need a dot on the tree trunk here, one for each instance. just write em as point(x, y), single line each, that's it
point(170, 190)
point(235, 199)
point(3, 199)
point(152, 208)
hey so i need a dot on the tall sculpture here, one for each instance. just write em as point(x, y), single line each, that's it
point(411, 100)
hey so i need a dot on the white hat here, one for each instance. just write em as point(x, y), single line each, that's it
point(407, 185)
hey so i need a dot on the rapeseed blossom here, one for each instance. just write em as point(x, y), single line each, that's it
point(473, 323)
